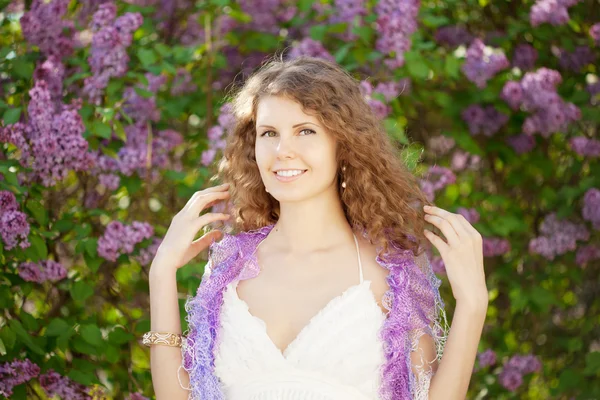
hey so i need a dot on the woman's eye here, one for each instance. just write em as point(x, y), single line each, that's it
point(266, 133)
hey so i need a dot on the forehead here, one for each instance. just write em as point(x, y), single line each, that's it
point(275, 110)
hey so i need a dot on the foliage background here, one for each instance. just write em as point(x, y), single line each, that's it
point(113, 114)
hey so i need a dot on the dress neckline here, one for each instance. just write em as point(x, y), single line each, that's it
point(253, 258)
point(334, 303)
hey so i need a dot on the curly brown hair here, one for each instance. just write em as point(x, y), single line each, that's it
point(382, 196)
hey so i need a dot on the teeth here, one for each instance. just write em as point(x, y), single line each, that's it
point(290, 172)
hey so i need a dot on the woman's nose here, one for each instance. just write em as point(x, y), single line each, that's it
point(285, 147)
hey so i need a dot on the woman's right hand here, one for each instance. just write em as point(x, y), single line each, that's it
point(178, 246)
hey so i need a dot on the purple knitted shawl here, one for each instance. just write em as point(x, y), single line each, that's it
point(413, 302)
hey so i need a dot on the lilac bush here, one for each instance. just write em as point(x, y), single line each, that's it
point(115, 112)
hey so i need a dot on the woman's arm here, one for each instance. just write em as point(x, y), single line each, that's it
point(164, 312)
point(451, 376)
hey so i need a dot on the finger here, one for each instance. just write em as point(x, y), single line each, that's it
point(201, 202)
point(457, 221)
point(446, 227)
point(202, 243)
point(221, 188)
point(437, 241)
point(209, 218)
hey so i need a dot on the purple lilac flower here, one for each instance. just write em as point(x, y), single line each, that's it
point(14, 373)
point(462, 160)
point(56, 385)
point(121, 239)
point(586, 254)
point(585, 147)
point(594, 90)
point(482, 63)
point(143, 109)
point(591, 207)
point(510, 379)
point(310, 47)
point(493, 247)
point(136, 396)
point(524, 364)
point(557, 237)
point(524, 57)
point(14, 229)
point(536, 94)
point(577, 59)
point(453, 36)
point(487, 358)
point(396, 22)
point(147, 255)
point(183, 83)
point(350, 12)
point(521, 143)
point(52, 71)
point(484, 120)
point(208, 156)
point(43, 25)
point(470, 214)
point(552, 11)
point(109, 48)
point(267, 15)
point(595, 33)
point(8, 202)
point(437, 265)
point(45, 270)
point(436, 179)
point(51, 142)
point(441, 145)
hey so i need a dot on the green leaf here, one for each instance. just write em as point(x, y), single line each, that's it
point(2, 348)
point(39, 246)
point(416, 65)
point(57, 327)
point(365, 33)
point(63, 225)
point(147, 56)
point(80, 345)
point(93, 263)
point(91, 334)
point(112, 354)
point(144, 92)
point(317, 32)
point(119, 336)
point(102, 130)
point(11, 116)
point(342, 52)
point(304, 5)
point(592, 363)
point(8, 336)
point(80, 291)
point(452, 66)
point(29, 321)
point(25, 337)
point(38, 211)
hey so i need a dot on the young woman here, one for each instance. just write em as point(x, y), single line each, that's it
point(325, 291)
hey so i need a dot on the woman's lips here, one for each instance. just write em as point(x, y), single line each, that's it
point(288, 178)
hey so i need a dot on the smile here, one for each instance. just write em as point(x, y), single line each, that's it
point(289, 176)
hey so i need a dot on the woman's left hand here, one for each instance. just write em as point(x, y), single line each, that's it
point(462, 255)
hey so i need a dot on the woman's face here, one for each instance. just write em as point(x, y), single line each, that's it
point(289, 139)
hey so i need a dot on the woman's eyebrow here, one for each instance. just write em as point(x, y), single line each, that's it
point(295, 126)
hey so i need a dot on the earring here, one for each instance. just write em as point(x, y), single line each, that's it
point(344, 182)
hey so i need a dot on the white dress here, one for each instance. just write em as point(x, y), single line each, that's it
point(337, 355)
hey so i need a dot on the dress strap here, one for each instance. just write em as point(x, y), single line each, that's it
point(359, 263)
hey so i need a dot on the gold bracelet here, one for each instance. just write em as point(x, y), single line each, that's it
point(166, 338)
